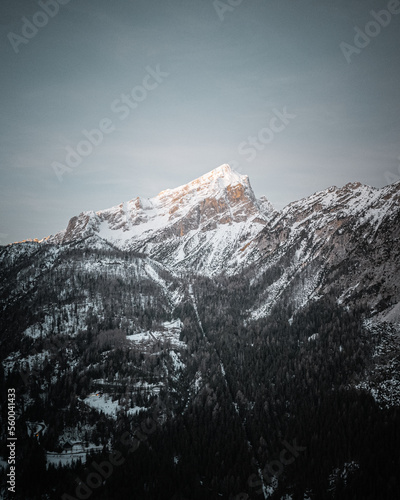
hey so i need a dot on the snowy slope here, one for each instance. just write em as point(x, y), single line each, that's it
point(343, 239)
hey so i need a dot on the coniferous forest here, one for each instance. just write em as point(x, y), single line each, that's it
point(225, 406)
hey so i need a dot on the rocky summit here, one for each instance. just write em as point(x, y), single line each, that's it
point(200, 226)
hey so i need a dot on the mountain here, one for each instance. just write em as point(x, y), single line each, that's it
point(200, 226)
point(215, 225)
point(202, 345)
point(340, 240)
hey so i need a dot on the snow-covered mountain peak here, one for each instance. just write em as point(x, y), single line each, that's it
point(225, 176)
point(208, 185)
point(203, 223)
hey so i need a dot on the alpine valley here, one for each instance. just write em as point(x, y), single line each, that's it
point(202, 345)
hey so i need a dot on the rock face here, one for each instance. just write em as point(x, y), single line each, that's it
point(200, 226)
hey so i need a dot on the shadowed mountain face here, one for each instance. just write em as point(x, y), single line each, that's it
point(217, 329)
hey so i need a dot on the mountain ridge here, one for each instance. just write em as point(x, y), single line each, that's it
point(215, 224)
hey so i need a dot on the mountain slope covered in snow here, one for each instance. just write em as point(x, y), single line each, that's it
point(214, 332)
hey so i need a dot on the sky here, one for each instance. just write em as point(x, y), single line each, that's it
point(106, 100)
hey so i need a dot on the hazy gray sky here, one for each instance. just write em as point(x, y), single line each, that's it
point(179, 87)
